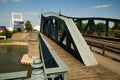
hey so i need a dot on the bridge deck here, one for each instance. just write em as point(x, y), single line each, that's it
point(78, 71)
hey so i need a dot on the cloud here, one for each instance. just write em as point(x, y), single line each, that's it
point(3, 1)
point(32, 13)
point(6, 1)
point(16, 0)
point(102, 6)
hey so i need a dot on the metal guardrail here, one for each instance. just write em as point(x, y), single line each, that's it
point(111, 44)
point(104, 38)
point(56, 69)
point(13, 75)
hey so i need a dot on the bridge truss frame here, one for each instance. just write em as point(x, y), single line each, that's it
point(56, 28)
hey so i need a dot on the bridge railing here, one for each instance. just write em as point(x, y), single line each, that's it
point(50, 13)
point(91, 24)
point(54, 67)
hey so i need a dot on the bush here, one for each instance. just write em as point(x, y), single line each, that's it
point(115, 33)
point(19, 30)
point(6, 33)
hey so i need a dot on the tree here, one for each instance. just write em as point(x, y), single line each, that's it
point(6, 33)
point(83, 25)
point(116, 26)
point(28, 25)
point(101, 27)
point(78, 24)
point(19, 29)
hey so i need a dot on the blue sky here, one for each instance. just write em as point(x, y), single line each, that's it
point(78, 8)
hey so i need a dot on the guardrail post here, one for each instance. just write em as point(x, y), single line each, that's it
point(103, 49)
point(65, 76)
point(52, 76)
point(90, 45)
point(37, 73)
point(68, 42)
point(107, 28)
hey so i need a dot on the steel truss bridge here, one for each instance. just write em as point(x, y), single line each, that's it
point(65, 55)
point(63, 31)
point(91, 23)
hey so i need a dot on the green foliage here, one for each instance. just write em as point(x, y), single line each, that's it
point(19, 30)
point(101, 27)
point(91, 28)
point(28, 25)
point(6, 33)
point(83, 25)
point(116, 26)
point(78, 25)
point(115, 30)
point(114, 33)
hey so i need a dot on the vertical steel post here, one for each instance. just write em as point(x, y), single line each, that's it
point(50, 26)
point(85, 30)
point(65, 76)
point(80, 27)
point(95, 27)
point(68, 42)
point(90, 45)
point(56, 30)
point(37, 73)
point(42, 23)
point(107, 28)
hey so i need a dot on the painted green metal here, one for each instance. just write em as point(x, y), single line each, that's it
point(92, 26)
point(106, 20)
point(80, 27)
point(37, 73)
point(54, 71)
point(56, 31)
point(13, 75)
point(71, 33)
point(107, 28)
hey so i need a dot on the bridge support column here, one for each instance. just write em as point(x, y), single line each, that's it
point(50, 29)
point(37, 73)
point(80, 27)
point(42, 23)
point(58, 25)
point(68, 42)
point(107, 28)
point(93, 27)
point(56, 31)
point(65, 76)
point(88, 24)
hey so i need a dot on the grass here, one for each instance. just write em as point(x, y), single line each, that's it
point(5, 41)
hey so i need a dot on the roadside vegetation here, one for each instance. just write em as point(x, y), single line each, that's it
point(8, 34)
point(28, 26)
point(113, 31)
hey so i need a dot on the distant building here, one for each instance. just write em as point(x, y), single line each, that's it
point(2, 29)
point(17, 21)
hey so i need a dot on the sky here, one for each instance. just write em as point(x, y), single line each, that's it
point(31, 9)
